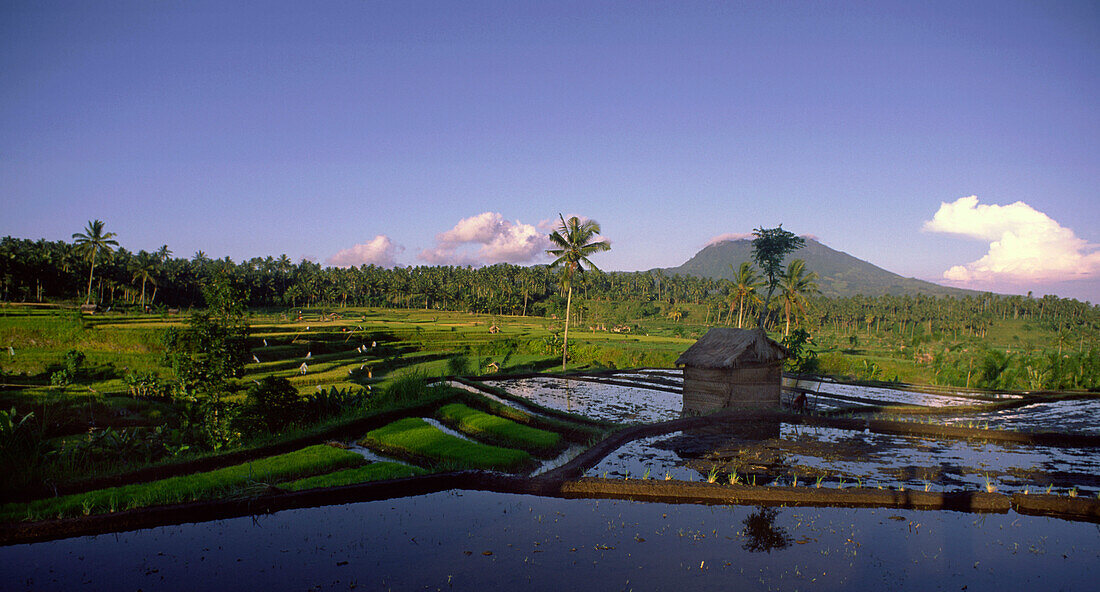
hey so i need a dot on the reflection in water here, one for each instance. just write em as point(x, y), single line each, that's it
point(761, 532)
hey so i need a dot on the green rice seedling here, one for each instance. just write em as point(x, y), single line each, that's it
point(840, 485)
point(859, 482)
point(989, 486)
point(927, 485)
point(668, 476)
point(1049, 487)
point(712, 475)
point(415, 437)
point(1073, 492)
point(794, 481)
point(735, 479)
point(645, 477)
point(817, 482)
point(377, 471)
point(498, 430)
point(627, 476)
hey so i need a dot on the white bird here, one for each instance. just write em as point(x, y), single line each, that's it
point(303, 368)
point(255, 359)
point(11, 351)
point(373, 343)
point(265, 343)
point(309, 355)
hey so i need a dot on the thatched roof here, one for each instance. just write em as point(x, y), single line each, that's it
point(732, 348)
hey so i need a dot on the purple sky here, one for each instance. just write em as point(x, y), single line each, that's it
point(416, 132)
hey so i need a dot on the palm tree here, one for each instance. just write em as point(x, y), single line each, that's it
point(145, 270)
point(574, 241)
point(745, 283)
point(92, 242)
point(796, 285)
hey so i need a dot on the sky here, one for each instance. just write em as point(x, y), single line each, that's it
point(957, 142)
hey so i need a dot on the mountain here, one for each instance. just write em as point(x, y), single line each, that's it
point(840, 273)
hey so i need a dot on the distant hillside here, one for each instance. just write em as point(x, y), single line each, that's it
point(841, 274)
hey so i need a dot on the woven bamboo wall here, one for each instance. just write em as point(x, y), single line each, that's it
point(707, 389)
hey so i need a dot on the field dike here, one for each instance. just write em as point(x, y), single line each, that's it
point(567, 482)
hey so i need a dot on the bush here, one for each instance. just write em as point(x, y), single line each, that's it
point(329, 402)
point(272, 404)
point(71, 366)
point(800, 358)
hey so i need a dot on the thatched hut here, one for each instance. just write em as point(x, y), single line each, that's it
point(732, 368)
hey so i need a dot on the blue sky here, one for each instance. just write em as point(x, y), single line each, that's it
point(414, 132)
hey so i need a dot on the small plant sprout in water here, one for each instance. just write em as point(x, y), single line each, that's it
point(668, 476)
point(712, 475)
point(645, 477)
point(989, 486)
point(1073, 492)
point(817, 483)
point(734, 478)
point(1049, 487)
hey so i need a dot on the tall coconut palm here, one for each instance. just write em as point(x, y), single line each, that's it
point(145, 270)
point(795, 286)
point(575, 243)
point(745, 283)
point(90, 244)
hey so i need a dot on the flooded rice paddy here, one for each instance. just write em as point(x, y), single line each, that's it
point(827, 457)
point(493, 541)
point(597, 400)
point(480, 540)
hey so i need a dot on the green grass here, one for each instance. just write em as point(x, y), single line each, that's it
point(499, 430)
point(414, 437)
point(377, 471)
point(187, 488)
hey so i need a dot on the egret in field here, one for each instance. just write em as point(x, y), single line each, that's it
point(255, 359)
point(303, 368)
point(309, 355)
point(265, 343)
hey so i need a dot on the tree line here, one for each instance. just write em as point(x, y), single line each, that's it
point(57, 271)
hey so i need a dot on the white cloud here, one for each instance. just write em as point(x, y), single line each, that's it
point(485, 239)
point(1025, 245)
point(380, 251)
point(729, 236)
